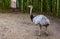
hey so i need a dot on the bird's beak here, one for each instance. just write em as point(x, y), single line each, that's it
point(27, 6)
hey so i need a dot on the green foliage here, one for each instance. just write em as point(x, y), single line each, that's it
point(1, 3)
point(4, 4)
point(58, 8)
point(52, 7)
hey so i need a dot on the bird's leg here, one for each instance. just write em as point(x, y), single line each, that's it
point(40, 30)
point(46, 31)
point(46, 28)
point(40, 27)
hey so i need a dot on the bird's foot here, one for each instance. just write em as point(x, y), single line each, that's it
point(39, 34)
point(46, 33)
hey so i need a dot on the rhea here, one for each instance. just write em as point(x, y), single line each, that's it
point(41, 20)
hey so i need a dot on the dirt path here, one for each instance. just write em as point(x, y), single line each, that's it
point(19, 26)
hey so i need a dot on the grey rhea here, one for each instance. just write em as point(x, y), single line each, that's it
point(39, 19)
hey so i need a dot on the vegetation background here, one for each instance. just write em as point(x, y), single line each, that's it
point(49, 7)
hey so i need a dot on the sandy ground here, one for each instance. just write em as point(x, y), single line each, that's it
point(19, 26)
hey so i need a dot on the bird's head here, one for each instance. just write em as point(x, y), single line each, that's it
point(30, 6)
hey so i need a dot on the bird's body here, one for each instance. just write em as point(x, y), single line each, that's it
point(41, 19)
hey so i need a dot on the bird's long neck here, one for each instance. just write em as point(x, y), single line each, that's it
point(30, 11)
point(31, 15)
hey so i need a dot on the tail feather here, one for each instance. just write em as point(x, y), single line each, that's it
point(45, 21)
